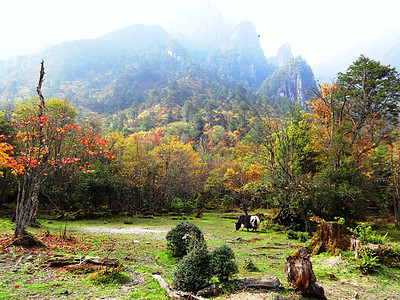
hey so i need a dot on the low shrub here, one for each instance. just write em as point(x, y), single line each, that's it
point(291, 234)
point(223, 263)
point(198, 266)
point(179, 238)
point(194, 270)
point(303, 236)
point(276, 227)
point(250, 266)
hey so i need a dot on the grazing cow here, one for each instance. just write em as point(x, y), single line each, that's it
point(246, 221)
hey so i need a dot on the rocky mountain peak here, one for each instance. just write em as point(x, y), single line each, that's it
point(283, 57)
point(245, 33)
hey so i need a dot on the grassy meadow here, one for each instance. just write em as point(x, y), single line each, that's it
point(140, 244)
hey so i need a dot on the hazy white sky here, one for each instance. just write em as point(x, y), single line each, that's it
point(315, 29)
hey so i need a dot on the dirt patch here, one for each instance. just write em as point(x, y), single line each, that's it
point(255, 240)
point(129, 230)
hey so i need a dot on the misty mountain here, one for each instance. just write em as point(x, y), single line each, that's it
point(146, 64)
point(104, 75)
point(241, 57)
point(228, 48)
point(284, 56)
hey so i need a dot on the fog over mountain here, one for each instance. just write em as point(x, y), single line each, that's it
point(385, 49)
point(110, 73)
point(199, 19)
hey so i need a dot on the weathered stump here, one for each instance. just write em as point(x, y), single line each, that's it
point(329, 237)
point(298, 269)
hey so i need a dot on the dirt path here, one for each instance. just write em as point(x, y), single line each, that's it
point(128, 230)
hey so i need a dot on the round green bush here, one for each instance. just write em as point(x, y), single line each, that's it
point(194, 270)
point(180, 237)
point(223, 263)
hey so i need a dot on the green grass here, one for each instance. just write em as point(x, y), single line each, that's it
point(150, 290)
point(5, 295)
point(144, 254)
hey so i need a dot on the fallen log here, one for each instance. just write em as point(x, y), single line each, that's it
point(265, 255)
point(174, 293)
point(62, 261)
point(170, 292)
point(271, 283)
point(270, 247)
point(290, 245)
point(231, 217)
point(210, 291)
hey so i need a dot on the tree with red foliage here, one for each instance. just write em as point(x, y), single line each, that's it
point(45, 140)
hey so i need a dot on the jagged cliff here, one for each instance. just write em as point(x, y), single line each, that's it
point(293, 78)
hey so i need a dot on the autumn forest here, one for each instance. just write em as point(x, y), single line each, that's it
point(336, 156)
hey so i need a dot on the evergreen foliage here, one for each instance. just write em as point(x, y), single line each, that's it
point(182, 237)
point(194, 270)
point(223, 263)
point(198, 266)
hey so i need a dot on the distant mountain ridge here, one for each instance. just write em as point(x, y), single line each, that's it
point(110, 73)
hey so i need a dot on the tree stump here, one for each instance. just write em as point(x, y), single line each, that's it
point(298, 269)
point(329, 237)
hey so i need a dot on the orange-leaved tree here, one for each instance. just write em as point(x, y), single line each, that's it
point(154, 169)
point(46, 139)
point(6, 158)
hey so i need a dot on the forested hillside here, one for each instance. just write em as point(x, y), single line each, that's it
point(141, 120)
point(123, 68)
point(187, 148)
point(140, 160)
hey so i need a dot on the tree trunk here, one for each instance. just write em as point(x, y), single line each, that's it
point(395, 188)
point(396, 204)
point(28, 192)
point(29, 185)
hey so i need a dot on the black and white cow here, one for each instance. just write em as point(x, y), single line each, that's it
point(246, 221)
